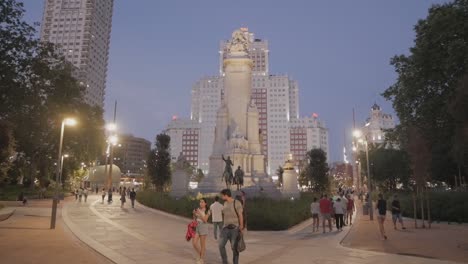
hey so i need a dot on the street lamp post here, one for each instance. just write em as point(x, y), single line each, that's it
point(112, 142)
point(61, 167)
point(68, 122)
point(359, 136)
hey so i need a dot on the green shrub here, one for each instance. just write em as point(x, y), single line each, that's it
point(445, 206)
point(262, 213)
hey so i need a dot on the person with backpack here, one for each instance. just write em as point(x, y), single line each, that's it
point(233, 226)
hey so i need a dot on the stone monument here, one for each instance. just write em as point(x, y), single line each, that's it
point(180, 177)
point(290, 188)
point(237, 128)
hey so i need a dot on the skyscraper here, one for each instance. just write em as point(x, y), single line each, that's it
point(81, 30)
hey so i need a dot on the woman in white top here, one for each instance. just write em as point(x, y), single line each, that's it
point(202, 230)
point(315, 210)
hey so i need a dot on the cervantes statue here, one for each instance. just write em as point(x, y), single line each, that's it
point(239, 42)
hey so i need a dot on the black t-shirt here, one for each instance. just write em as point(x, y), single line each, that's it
point(396, 204)
point(382, 206)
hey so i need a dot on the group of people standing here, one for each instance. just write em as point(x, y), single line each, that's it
point(123, 192)
point(228, 219)
point(80, 194)
point(340, 209)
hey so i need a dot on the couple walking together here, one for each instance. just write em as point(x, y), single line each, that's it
point(228, 216)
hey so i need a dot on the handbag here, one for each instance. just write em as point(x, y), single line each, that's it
point(240, 245)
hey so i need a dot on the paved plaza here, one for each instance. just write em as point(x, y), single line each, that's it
point(144, 235)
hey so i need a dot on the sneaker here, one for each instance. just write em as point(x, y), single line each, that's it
point(403, 228)
point(385, 237)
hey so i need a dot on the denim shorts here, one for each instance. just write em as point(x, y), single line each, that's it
point(202, 229)
point(396, 217)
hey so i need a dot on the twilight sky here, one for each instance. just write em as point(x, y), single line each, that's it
point(338, 51)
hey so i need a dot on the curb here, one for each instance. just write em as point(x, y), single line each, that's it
point(93, 244)
point(156, 211)
point(5, 213)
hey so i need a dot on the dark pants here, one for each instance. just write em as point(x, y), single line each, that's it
point(339, 221)
point(133, 202)
point(231, 235)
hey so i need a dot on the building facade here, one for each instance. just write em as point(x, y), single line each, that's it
point(308, 133)
point(81, 30)
point(185, 138)
point(276, 98)
point(376, 124)
point(131, 154)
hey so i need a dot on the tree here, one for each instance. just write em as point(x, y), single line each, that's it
point(315, 175)
point(6, 150)
point(389, 167)
point(37, 90)
point(458, 108)
point(427, 81)
point(159, 162)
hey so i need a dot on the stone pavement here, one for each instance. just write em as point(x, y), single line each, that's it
point(144, 235)
point(442, 241)
point(25, 237)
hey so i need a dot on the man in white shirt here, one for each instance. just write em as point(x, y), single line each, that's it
point(217, 216)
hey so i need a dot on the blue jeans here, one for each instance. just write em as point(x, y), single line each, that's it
point(231, 235)
point(216, 226)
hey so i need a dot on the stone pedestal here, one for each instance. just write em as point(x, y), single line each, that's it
point(290, 188)
point(180, 177)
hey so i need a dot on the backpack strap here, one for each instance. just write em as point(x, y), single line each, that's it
point(238, 219)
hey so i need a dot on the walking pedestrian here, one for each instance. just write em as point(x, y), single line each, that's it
point(315, 210)
point(122, 199)
point(396, 212)
point(103, 194)
point(76, 194)
point(217, 217)
point(85, 193)
point(325, 211)
point(201, 215)
point(109, 196)
point(344, 203)
point(132, 196)
point(80, 195)
point(339, 211)
point(233, 226)
point(350, 209)
point(382, 211)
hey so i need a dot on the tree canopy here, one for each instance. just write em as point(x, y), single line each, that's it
point(37, 91)
point(427, 83)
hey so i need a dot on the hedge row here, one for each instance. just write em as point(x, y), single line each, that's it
point(445, 206)
point(262, 213)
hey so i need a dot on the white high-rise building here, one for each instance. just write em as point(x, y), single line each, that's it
point(277, 101)
point(81, 29)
